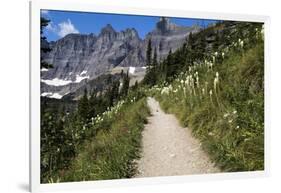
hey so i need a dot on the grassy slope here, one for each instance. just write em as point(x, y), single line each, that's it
point(112, 152)
point(230, 121)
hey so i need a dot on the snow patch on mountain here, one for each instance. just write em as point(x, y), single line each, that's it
point(61, 82)
point(80, 78)
point(132, 70)
point(83, 72)
point(56, 82)
point(44, 69)
point(52, 95)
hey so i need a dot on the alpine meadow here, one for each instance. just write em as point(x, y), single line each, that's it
point(172, 96)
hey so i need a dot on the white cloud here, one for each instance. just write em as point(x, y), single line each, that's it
point(62, 29)
point(51, 27)
point(65, 28)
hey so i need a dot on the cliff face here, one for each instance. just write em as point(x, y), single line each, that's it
point(168, 36)
point(79, 58)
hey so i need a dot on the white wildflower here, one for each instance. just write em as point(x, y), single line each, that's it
point(211, 65)
point(241, 43)
point(216, 81)
point(197, 81)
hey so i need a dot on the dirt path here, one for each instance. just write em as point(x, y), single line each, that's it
point(169, 149)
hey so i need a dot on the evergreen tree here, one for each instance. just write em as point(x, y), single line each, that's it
point(92, 105)
point(190, 49)
point(160, 46)
point(154, 61)
point(151, 72)
point(44, 48)
point(113, 93)
point(217, 41)
point(125, 86)
point(44, 23)
point(148, 54)
point(115, 90)
point(136, 85)
point(202, 47)
point(55, 149)
point(83, 107)
point(165, 70)
point(169, 64)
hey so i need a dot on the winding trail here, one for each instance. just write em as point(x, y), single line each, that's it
point(169, 149)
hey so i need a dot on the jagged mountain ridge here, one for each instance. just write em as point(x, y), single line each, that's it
point(78, 57)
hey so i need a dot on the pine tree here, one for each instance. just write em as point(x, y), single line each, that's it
point(44, 49)
point(153, 71)
point(148, 54)
point(83, 107)
point(190, 49)
point(169, 63)
point(217, 41)
point(113, 93)
point(201, 47)
point(154, 62)
point(160, 46)
point(92, 105)
point(125, 86)
point(136, 85)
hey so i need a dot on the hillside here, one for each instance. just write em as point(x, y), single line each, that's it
point(213, 83)
point(221, 98)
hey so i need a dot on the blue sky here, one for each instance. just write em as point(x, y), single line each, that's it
point(65, 22)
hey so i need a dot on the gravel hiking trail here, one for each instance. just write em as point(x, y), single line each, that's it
point(169, 149)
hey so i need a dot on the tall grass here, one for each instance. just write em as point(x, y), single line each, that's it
point(223, 104)
point(111, 154)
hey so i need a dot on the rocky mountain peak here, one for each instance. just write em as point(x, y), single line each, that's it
point(108, 29)
point(165, 25)
point(107, 34)
point(78, 58)
point(131, 33)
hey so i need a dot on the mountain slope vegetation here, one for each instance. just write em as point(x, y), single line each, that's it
point(220, 95)
point(214, 84)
